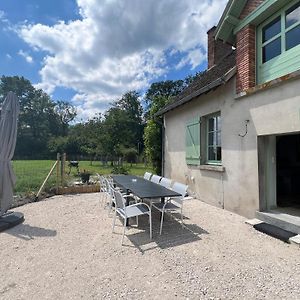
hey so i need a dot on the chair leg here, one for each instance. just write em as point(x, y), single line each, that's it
point(125, 219)
point(161, 222)
point(110, 205)
point(114, 221)
point(150, 221)
point(137, 221)
point(181, 217)
point(104, 199)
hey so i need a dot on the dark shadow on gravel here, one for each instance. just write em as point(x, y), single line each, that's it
point(27, 232)
point(173, 234)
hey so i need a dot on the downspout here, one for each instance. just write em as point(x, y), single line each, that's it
point(163, 147)
point(162, 143)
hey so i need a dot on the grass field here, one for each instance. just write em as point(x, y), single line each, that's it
point(31, 173)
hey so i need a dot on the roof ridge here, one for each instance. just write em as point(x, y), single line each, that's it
point(210, 79)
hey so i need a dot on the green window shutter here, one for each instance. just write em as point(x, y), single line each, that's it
point(192, 142)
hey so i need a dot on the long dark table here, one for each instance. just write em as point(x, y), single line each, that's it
point(143, 188)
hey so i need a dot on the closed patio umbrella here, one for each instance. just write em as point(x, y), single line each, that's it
point(8, 137)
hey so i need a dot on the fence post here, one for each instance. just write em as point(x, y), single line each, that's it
point(62, 170)
point(57, 171)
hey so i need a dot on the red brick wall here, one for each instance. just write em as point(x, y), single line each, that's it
point(211, 47)
point(245, 59)
point(245, 51)
point(249, 7)
point(216, 48)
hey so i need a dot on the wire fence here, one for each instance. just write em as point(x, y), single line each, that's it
point(31, 175)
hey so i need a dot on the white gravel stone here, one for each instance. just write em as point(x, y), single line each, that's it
point(65, 250)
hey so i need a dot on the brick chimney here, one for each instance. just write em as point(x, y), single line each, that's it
point(216, 48)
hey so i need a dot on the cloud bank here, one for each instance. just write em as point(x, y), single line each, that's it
point(120, 45)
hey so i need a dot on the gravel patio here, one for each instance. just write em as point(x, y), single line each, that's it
point(65, 250)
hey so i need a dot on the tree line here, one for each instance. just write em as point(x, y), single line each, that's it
point(126, 131)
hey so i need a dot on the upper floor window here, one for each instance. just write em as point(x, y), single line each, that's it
point(278, 42)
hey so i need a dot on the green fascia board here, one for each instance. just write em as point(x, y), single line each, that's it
point(232, 20)
point(229, 19)
point(262, 12)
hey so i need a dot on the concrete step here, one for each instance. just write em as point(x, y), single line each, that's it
point(282, 220)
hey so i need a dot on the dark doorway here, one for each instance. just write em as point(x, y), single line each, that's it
point(288, 170)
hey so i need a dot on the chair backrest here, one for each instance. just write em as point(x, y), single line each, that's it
point(147, 175)
point(120, 202)
point(102, 182)
point(110, 190)
point(156, 179)
point(180, 188)
point(166, 182)
point(106, 184)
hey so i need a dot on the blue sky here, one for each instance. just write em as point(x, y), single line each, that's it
point(90, 52)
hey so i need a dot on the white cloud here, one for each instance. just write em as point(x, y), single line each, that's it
point(3, 18)
point(8, 56)
point(27, 57)
point(120, 45)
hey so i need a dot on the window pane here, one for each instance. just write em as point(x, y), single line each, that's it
point(219, 155)
point(292, 15)
point(218, 138)
point(214, 138)
point(271, 29)
point(218, 122)
point(211, 124)
point(211, 153)
point(211, 138)
point(293, 38)
point(272, 50)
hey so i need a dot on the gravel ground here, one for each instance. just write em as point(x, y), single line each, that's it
point(65, 250)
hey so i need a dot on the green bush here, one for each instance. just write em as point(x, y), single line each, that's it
point(120, 170)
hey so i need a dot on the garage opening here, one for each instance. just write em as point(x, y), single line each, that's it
point(288, 171)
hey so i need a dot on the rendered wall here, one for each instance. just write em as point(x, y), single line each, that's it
point(272, 111)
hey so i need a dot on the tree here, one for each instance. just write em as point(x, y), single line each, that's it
point(38, 119)
point(153, 134)
point(158, 95)
point(65, 113)
point(131, 106)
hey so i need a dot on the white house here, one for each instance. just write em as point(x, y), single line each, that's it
point(234, 134)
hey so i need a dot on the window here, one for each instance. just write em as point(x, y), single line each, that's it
point(214, 139)
point(271, 40)
point(203, 140)
point(278, 42)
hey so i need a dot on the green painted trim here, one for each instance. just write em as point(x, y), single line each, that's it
point(286, 63)
point(214, 162)
point(192, 141)
point(232, 20)
point(211, 162)
point(265, 10)
point(227, 22)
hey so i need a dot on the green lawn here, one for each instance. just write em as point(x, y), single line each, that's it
point(31, 173)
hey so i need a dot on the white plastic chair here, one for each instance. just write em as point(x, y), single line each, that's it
point(130, 211)
point(103, 189)
point(156, 179)
point(173, 204)
point(166, 182)
point(112, 200)
point(147, 175)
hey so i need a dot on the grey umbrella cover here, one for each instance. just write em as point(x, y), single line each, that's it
point(8, 137)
